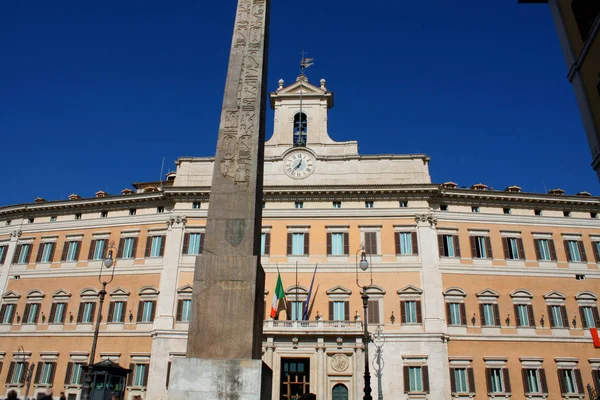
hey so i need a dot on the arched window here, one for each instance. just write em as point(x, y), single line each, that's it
point(300, 129)
point(340, 392)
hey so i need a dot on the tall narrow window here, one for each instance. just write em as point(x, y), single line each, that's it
point(31, 313)
point(406, 243)
point(298, 244)
point(460, 377)
point(339, 310)
point(86, 313)
point(524, 314)
point(265, 243)
point(184, 310)
point(534, 381)
point(19, 370)
point(45, 373)
point(570, 381)
point(295, 310)
point(71, 251)
point(481, 247)
point(193, 243)
point(57, 313)
point(3, 251)
point(448, 246)
point(22, 254)
point(575, 251)
point(74, 374)
point(155, 246)
point(411, 312)
point(456, 313)
point(497, 380)
point(589, 317)
point(127, 248)
point(45, 253)
point(146, 311)
point(140, 375)
point(7, 313)
point(300, 130)
point(116, 312)
point(371, 243)
point(513, 248)
point(337, 243)
point(416, 379)
point(558, 316)
point(545, 250)
point(489, 315)
point(98, 249)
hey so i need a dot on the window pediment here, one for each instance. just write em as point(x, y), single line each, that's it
point(410, 290)
point(586, 295)
point(61, 294)
point(35, 294)
point(554, 295)
point(455, 291)
point(148, 293)
point(11, 296)
point(185, 289)
point(339, 290)
point(89, 293)
point(375, 290)
point(488, 293)
point(521, 294)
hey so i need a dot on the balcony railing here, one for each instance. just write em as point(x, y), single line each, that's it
point(272, 326)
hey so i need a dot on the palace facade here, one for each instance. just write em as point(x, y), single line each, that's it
point(480, 293)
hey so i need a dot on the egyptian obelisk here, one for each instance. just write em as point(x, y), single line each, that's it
point(223, 359)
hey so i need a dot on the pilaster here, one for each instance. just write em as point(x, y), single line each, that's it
point(321, 369)
point(10, 251)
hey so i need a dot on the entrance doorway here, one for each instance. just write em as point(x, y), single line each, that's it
point(295, 378)
point(340, 392)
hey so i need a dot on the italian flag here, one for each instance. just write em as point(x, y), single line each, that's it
point(278, 295)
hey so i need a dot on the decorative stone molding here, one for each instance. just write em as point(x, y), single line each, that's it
point(426, 218)
point(16, 233)
point(177, 220)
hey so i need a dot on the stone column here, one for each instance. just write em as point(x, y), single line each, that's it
point(10, 251)
point(167, 297)
point(269, 349)
point(321, 369)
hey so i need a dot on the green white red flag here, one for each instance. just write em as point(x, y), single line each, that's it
point(277, 295)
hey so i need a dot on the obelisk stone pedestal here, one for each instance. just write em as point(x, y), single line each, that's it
point(198, 379)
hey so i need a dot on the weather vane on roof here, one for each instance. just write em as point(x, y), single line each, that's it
point(305, 62)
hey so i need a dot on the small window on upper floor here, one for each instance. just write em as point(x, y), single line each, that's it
point(593, 215)
point(31, 220)
point(8, 221)
point(443, 207)
point(585, 13)
point(567, 213)
point(337, 204)
point(132, 211)
point(77, 216)
point(475, 209)
point(104, 214)
point(53, 218)
point(263, 204)
point(196, 205)
point(507, 210)
point(299, 204)
point(160, 209)
point(403, 203)
point(537, 212)
point(369, 204)
point(300, 129)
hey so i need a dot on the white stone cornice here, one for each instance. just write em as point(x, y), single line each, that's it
point(482, 218)
point(522, 271)
point(519, 338)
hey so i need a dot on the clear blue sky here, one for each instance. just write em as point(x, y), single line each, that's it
point(93, 94)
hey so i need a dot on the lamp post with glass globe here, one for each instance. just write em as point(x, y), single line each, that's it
point(107, 263)
point(363, 264)
point(379, 341)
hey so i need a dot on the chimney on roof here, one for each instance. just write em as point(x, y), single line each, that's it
point(479, 186)
point(557, 191)
point(150, 189)
point(584, 194)
point(171, 176)
point(101, 193)
point(74, 197)
point(449, 185)
point(127, 191)
point(513, 189)
point(39, 200)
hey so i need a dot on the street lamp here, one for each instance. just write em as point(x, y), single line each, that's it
point(363, 264)
point(379, 341)
point(107, 263)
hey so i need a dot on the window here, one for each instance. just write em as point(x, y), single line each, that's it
point(589, 317)
point(475, 209)
point(506, 210)
point(575, 251)
point(404, 204)
point(155, 246)
point(498, 380)
point(132, 211)
point(490, 314)
point(337, 204)
point(127, 247)
point(595, 247)
point(534, 380)
point(57, 313)
point(537, 212)
point(481, 247)
point(369, 204)
point(139, 377)
point(160, 209)
point(22, 254)
point(567, 213)
point(513, 248)
point(71, 251)
point(570, 381)
point(593, 214)
point(300, 129)
point(74, 375)
point(295, 310)
point(86, 313)
point(337, 243)
point(448, 246)
point(524, 315)
point(371, 242)
point(339, 311)
point(31, 313)
point(299, 204)
point(196, 205)
point(31, 220)
point(3, 251)
point(373, 311)
point(443, 207)
point(8, 221)
point(295, 378)
point(103, 214)
point(7, 313)
point(416, 379)
point(410, 312)
point(558, 316)
point(17, 372)
point(78, 216)
point(456, 314)
point(116, 312)
point(184, 310)
point(45, 253)
point(193, 243)
point(585, 13)
point(545, 250)
point(45, 373)
point(406, 243)
point(462, 380)
point(340, 392)
point(298, 244)
point(98, 249)
point(53, 218)
point(146, 311)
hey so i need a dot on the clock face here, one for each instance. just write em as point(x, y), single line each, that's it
point(299, 164)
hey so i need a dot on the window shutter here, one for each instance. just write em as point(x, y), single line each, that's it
point(52, 313)
point(582, 251)
point(11, 369)
point(38, 258)
point(26, 312)
point(168, 374)
point(482, 314)
point(111, 311)
point(594, 312)
point(153, 313)
point(375, 312)
point(402, 313)
point(538, 254)
point(52, 249)
point(121, 248)
point(419, 312)
point(3, 258)
point(471, 377)
point(346, 311)
point(526, 388)
point(306, 243)
point(146, 370)
point(38, 372)
point(91, 252)
point(186, 244)
point(124, 312)
point(148, 246)
point(551, 317)
point(497, 315)
point(473, 241)
point(580, 387)
point(415, 243)
point(2, 311)
point(456, 246)
point(441, 245)
point(552, 249)
point(594, 379)
point(425, 378)
point(331, 310)
point(179, 315)
point(448, 317)
point(567, 250)
point(289, 244)
point(328, 243)
point(517, 316)
point(397, 241)
point(52, 373)
point(507, 388)
point(130, 376)
point(594, 248)
point(346, 243)
point(162, 245)
point(77, 251)
point(488, 248)
point(406, 379)
point(93, 313)
point(105, 248)
point(28, 257)
point(134, 247)
point(25, 372)
point(68, 373)
point(201, 243)
point(565, 317)
point(452, 381)
point(488, 379)
point(561, 381)
point(505, 247)
point(288, 310)
point(531, 316)
point(81, 376)
point(16, 254)
point(140, 311)
point(463, 314)
point(37, 313)
point(80, 313)
point(583, 320)
point(267, 243)
point(543, 380)
point(521, 249)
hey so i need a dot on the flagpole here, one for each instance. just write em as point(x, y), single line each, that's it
point(296, 304)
